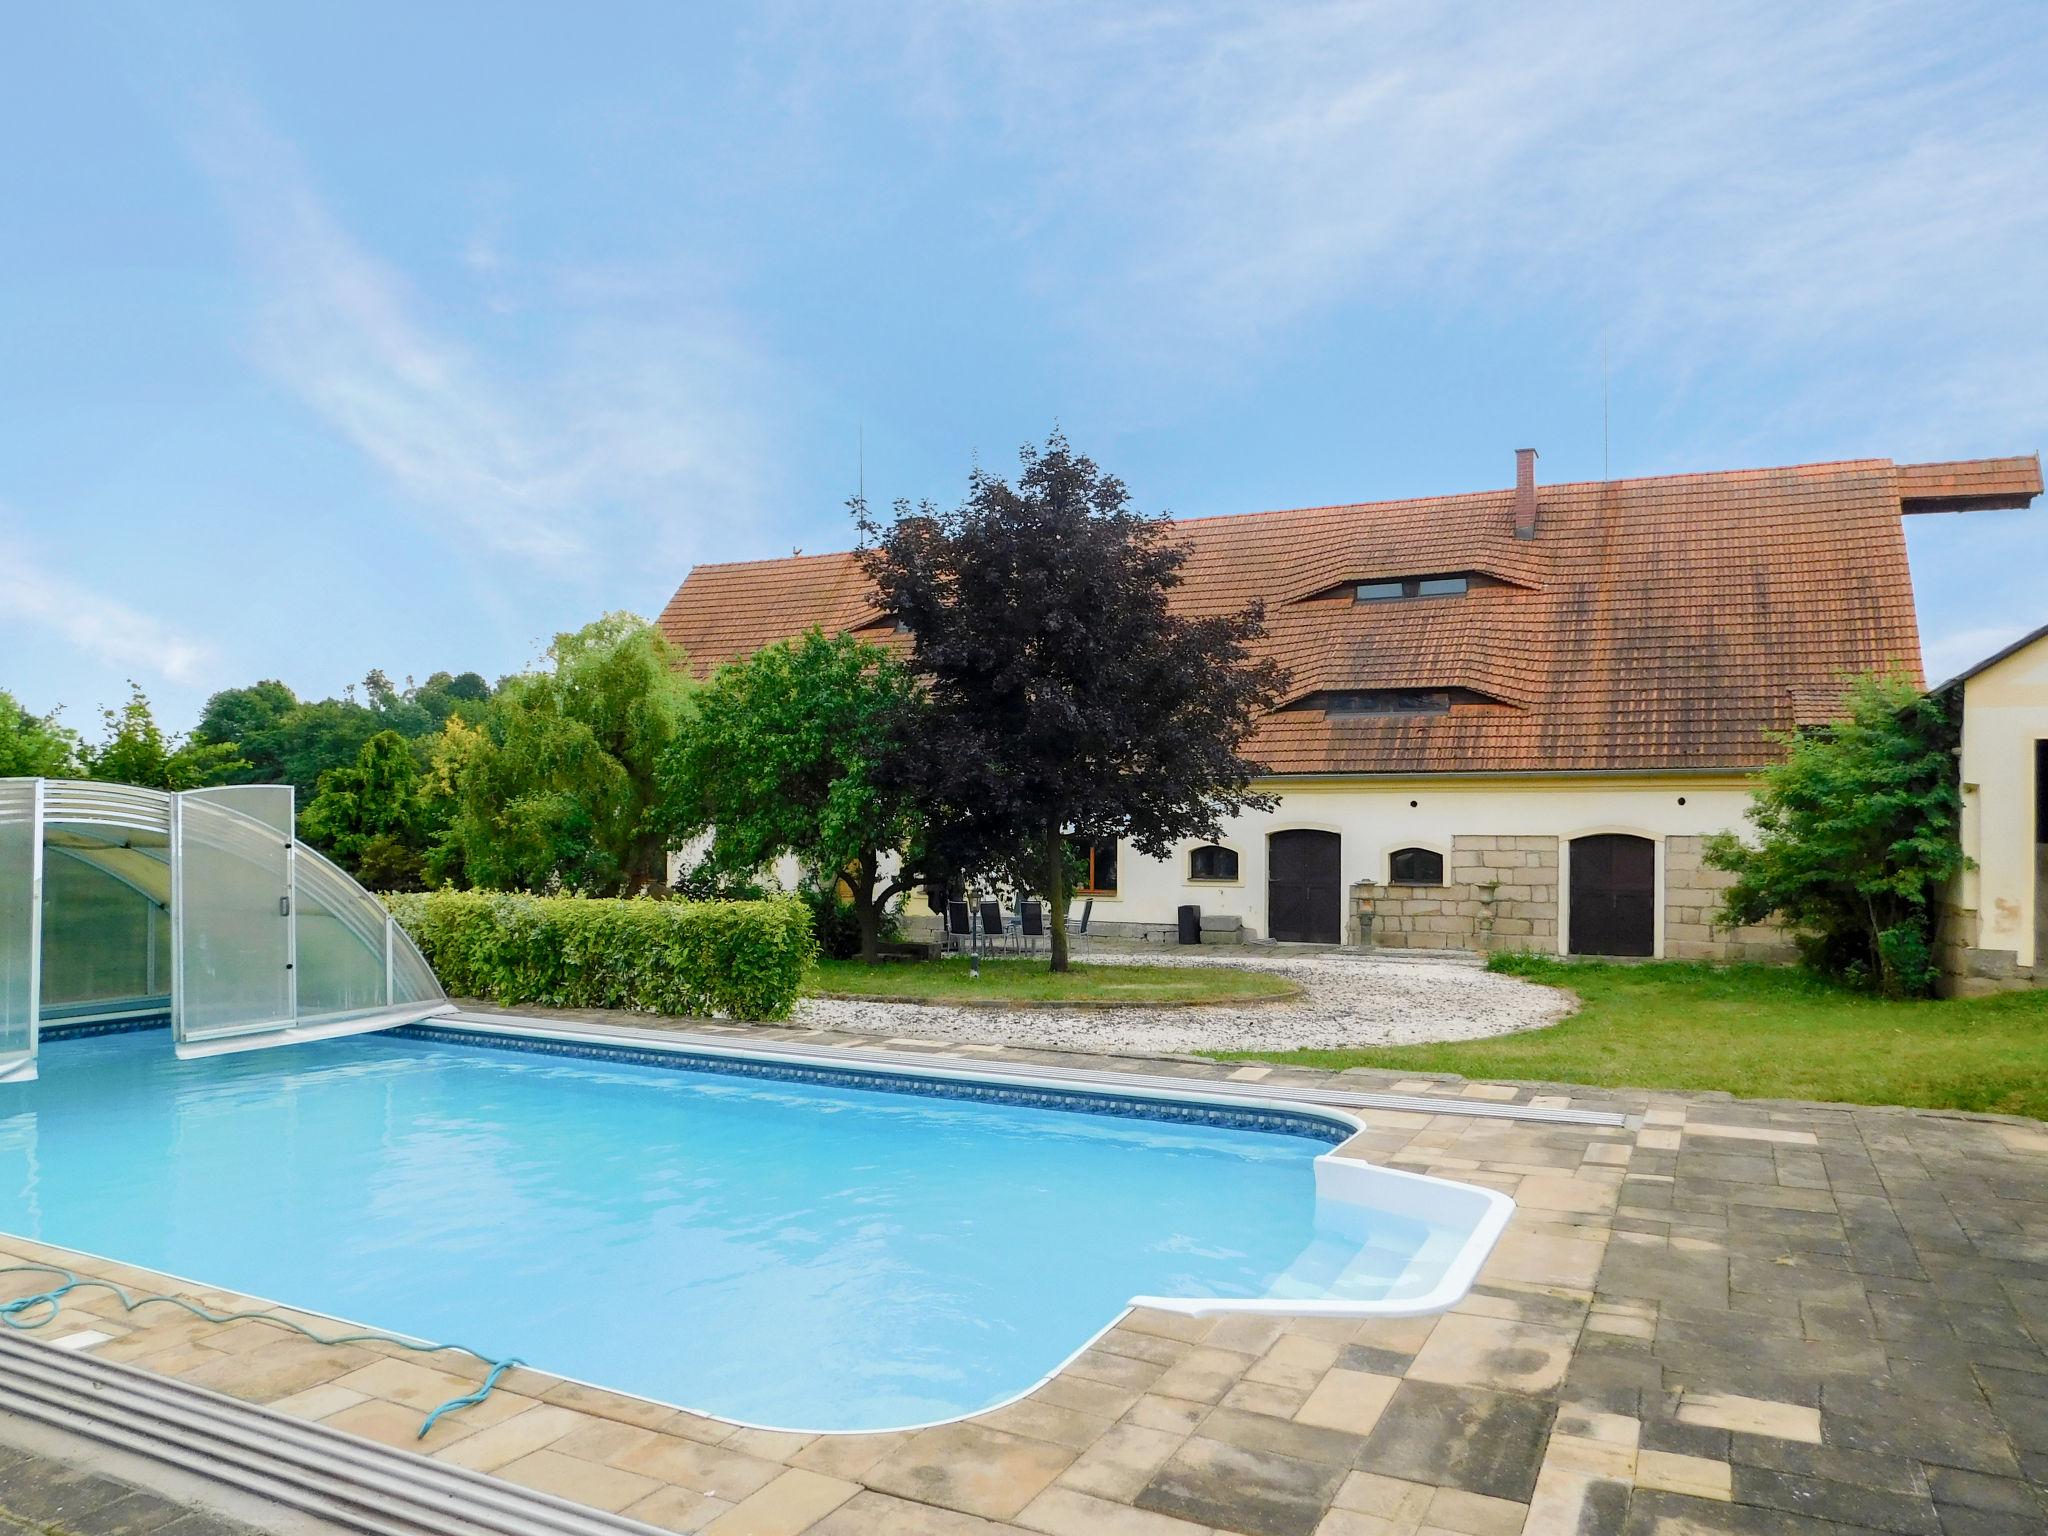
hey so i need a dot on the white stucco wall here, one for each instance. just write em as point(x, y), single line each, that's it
point(785, 873)
point(2005, 711)
point(1375, 818)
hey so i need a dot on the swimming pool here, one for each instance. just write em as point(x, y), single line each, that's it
point(784, 1245)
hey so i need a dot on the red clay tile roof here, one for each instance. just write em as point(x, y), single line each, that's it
point(1969, 484)
point(1651, 624)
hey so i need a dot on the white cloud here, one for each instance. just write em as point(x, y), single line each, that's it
point(1709, 183)
point(38, 599)
point(541, 464)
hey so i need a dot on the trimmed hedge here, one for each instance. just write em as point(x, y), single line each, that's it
point(744, 959)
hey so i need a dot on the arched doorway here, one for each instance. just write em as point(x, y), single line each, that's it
point(1614, 895)
point(1304, 887)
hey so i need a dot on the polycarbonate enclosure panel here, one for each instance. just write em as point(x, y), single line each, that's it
point(231, 909)
point(341, 942)
point(96, 932)
point(412, 979)
point(271, 804)
point(21, 900)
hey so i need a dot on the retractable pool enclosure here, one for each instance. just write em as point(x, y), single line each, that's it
point(120, 903)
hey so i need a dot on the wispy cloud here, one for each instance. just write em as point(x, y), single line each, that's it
point(544, 463)
point(1707, 182)
point(1949, 652)
point(35, 598)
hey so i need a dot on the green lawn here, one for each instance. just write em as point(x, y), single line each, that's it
point(1758, 1032)
point(1007, 979)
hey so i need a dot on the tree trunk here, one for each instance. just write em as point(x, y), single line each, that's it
point(647, 864)
point(867, 910)
point(1056, 892)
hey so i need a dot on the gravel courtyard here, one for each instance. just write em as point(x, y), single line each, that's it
point(1346, 1001)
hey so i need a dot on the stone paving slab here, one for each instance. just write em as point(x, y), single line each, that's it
point(1725, 1317)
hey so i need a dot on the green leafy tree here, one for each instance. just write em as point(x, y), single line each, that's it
point(138, 751)
point(445, 694)
point(1066, 700)
point(249, 719)
point(450, 756)
point(789, 753)
point(1856, 838)
point(368, 815)
point(34, 746)
point(286, 740)
point(320, 735)
point(559, 785)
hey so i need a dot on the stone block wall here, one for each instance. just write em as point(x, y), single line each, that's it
point(1970, 971)
point(1692, 899)
point(1499, 893)
point(1502, 893)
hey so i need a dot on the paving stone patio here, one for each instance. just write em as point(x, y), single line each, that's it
point(1724, 1317)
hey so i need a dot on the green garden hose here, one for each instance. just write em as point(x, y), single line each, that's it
point(18, 1315)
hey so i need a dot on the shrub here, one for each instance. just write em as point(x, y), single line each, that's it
point(1856, 838)
point(744, 959)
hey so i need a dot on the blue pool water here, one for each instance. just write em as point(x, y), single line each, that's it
point(795, 1254)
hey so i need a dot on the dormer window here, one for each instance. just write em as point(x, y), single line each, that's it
point(1361, 703)
point(1387, 701)
point(1411, 586)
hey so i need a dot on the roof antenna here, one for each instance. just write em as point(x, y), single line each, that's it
point(1603, 407)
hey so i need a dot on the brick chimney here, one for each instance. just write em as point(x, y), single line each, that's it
point(1525, 493)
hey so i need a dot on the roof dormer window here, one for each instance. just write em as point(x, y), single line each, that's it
point(1341, 703)
point(1388, 701)
point(1411, 586)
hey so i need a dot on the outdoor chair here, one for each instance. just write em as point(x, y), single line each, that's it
point(959, 926)
point(1031, 923)
point(1087, 911)
point(993, 929)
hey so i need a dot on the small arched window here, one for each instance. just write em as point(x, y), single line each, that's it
point(1212, 862)
point(1415, 866)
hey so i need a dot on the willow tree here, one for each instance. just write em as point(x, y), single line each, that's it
point(558, 785)
point(1065, 701)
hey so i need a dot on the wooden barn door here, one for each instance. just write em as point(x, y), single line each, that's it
point(1304, 887)
point(1614, 895)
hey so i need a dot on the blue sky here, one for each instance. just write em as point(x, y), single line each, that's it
point(403, 336)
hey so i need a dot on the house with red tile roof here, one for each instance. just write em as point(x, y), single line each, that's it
point(1513, 716)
